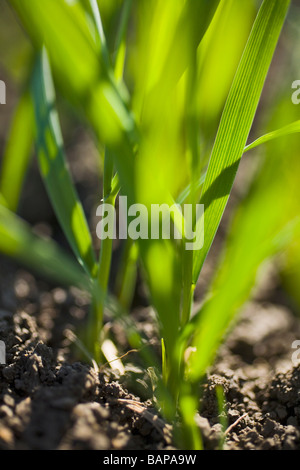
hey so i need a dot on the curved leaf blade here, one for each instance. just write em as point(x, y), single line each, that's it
point(237, 119)
point(17, 153)
point(292, 128)
point(54, 168)
point(18, 241)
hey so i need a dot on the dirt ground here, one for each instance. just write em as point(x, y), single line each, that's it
point(48, 401)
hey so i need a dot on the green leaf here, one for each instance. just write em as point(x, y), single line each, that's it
point(184, 195)
point(120, 45)
point(17, 152)
point(2, 200)
point(266, 223)
point(195, 18)
point(54, 169)
point(63, 28)
point(256, 235)
point(80, 69)
point(292, 128)
point(237, 119)
point(18, 241)
point(93, 9)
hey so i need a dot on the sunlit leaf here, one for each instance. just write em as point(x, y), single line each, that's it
point(54, 168)
point(18, 241)
point(18, 152)
point(237, 119)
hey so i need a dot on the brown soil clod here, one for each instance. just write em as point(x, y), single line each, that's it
point(49, 402)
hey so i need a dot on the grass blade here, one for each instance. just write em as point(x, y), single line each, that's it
point(193, 23)
point(3, 201)
point(256, 240)
point(80, 69)
point(55, 171)
point(237, 119)
point(18, 152)
point(292, 128)
point(266, 223)
point(18, 241)
point(92, 8)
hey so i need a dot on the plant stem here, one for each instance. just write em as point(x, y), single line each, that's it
point(194, 161)
point(188, 286)
point(110, 185)
point(120, 46)
point(99, 28)
point(127, 274)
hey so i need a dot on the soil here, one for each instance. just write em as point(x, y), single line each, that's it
point(48, 401)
